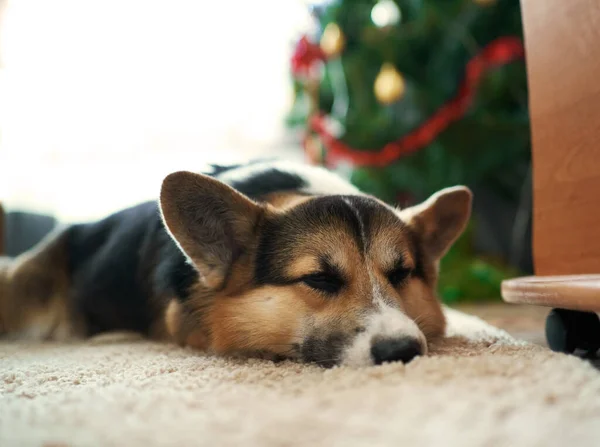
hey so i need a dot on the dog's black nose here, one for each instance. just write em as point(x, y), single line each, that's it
point(395, 350)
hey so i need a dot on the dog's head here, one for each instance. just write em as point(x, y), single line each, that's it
point(323, 279)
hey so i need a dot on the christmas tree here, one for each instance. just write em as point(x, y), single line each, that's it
point(416, 95)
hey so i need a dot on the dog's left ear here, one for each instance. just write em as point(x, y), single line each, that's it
point(441, 219)
point(212, 223)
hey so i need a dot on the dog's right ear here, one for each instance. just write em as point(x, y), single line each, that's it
point(211, 222)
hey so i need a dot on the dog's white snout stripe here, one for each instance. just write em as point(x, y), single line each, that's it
point(384, 322)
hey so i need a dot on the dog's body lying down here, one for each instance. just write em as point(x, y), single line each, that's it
point(269, 258)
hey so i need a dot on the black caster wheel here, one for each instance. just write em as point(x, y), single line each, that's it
point(570, 330)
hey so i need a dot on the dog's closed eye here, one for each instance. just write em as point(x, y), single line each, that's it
point(324, 282)
point(398, 274)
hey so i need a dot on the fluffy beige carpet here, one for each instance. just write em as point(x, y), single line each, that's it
point(479, 388)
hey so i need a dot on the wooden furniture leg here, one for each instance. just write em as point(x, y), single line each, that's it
point(563, 65)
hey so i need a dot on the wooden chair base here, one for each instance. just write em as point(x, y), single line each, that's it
point(575, 292)
point(573, 324)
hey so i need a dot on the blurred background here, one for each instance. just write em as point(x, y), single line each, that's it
point(100, 100)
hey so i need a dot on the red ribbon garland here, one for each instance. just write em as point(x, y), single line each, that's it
point(499, 52)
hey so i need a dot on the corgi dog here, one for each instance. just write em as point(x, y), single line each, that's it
point(269, 259)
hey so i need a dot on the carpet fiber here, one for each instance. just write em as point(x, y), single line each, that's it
point(480, 387)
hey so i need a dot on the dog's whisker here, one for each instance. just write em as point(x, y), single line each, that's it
point(420, 318)
point(318, 362)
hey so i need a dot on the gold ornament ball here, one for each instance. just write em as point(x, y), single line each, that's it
point(332, 40)
point(389, 85)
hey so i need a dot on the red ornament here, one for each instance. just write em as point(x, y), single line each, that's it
point(305, 56)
